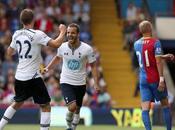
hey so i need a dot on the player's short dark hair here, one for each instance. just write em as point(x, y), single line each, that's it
point(26, 16)
point(75, 26)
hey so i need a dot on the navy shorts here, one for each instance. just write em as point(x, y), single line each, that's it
point(31, 88)
point(149, 92)
point(73, 93)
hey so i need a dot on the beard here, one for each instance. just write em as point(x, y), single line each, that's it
point(72, 39)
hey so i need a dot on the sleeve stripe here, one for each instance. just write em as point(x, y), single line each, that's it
point(158, 55)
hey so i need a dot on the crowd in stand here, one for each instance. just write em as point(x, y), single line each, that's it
point(48, 15)
point(131, 33)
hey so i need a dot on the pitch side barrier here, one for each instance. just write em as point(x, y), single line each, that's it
point(100, 116)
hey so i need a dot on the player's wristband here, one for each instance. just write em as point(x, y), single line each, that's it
point(46, 69)
point(161, 79)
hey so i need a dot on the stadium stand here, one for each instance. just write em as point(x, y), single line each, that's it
point(132, 13)
point(116, 63)
point(48, 14)
point(111, 36)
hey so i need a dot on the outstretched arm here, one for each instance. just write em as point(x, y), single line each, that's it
point(53, 62)
point(168, 56)
point(59, 40)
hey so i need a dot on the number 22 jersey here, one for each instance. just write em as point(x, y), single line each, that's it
point(146, 50)
point(28, 43)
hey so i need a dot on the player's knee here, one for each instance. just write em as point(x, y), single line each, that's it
point(77, 110)
point(17, 105)
point(72, 107)
point(45, 107)
point(164, 103)
point(146, 105)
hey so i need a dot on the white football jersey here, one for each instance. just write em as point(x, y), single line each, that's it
point(74, 63)
point(28, 44)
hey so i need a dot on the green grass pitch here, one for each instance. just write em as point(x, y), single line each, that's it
point(81, 127)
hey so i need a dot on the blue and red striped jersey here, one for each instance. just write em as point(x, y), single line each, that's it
point(146, 50)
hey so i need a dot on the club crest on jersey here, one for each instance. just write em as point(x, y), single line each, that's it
point(158, 50)
point(73, 64)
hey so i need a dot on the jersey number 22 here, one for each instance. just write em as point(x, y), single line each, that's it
point(26, 55)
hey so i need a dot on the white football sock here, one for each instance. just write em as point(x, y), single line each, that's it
point(45, 121)
point(69, 118)
point(10, 111)
point(75, 121)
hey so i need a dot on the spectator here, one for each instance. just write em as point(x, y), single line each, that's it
point(44, 23)
point(54, 91)
point(104, 99)
point(7, 65)
point(131, 12)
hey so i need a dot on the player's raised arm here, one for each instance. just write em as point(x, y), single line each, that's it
point(58, 41)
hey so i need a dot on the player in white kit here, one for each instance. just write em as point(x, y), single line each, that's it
point(75, 55)
point(28, 82)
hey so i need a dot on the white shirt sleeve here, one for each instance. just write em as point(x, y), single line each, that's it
point(42, 38)
point(91, 56)
point(13, 44)
point(59, 52)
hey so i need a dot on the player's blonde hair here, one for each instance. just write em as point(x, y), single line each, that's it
point(145, 27)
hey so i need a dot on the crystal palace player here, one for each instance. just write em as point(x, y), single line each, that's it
point(152, 82)
point(28, 81)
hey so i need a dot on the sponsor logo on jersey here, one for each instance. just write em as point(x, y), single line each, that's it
point(73, 64)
